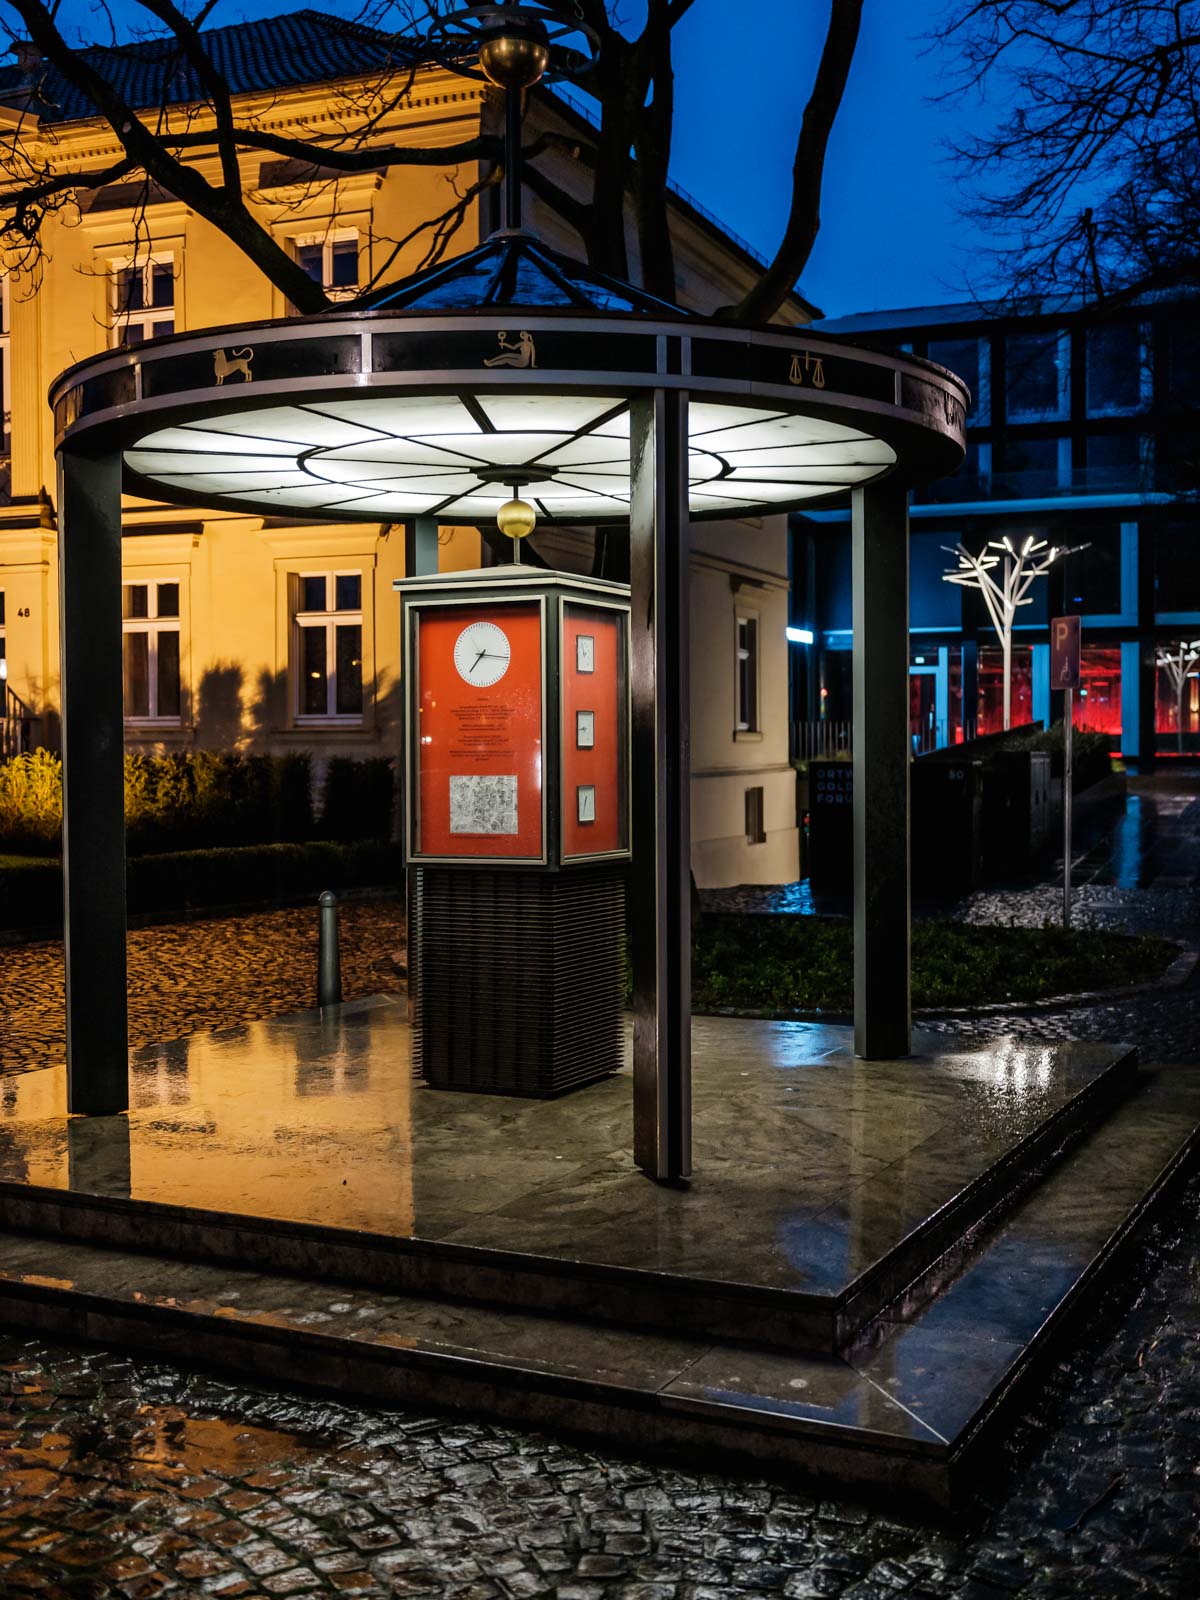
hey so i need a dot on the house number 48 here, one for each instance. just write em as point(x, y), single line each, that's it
point(22, 611)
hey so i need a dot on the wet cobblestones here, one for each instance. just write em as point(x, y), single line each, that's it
point(131, 1478)
point(209, 973)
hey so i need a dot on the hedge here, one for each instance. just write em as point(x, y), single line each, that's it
point(203, 799)
point(31, 894)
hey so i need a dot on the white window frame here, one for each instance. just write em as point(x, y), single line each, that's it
point(151, 316)
point(327, 238)
point(742, 653)
point(329, 619)
point(154, 625)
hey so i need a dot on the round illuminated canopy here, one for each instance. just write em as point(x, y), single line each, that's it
point(460, 457)
point(511, 368)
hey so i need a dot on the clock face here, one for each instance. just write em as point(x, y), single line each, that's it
point(585, 653)
point(482, 654)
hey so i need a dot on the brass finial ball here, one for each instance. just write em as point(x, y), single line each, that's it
point(515, 56)
point(516, 518)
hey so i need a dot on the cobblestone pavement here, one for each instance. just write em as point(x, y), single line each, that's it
point(132, 1478)
point(209, 973)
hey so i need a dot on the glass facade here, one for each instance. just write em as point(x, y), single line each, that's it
point(1119, 378)
point(1038, 373)
point(991, 687)
point(1098, 703)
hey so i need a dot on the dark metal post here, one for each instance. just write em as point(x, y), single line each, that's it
point(882, 912)
point(329, 956)
point(420, 546)
point(512, 158)
point(420, 561)
point(660, 881)
point(93, 744)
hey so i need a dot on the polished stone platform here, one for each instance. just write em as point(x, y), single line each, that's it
point(824, 1186)
point(912, 1410)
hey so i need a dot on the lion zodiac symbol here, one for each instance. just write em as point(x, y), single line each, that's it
point(236, 361)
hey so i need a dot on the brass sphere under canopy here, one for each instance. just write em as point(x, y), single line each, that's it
point(515, 57)
point(516, 518)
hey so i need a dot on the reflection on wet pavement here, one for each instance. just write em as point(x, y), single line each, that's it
point(810, 1165)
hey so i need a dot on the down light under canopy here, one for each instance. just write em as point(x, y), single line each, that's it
point(460, 457)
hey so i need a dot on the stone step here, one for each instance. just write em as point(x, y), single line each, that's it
point(914, 1408)
point(849, 1185)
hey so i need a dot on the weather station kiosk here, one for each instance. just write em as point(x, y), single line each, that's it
point(517, 796)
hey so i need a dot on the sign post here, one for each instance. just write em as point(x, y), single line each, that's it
point(1064, 674)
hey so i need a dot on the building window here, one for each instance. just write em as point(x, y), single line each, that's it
point(1119, 380)
point(151, 651)
point(1177, 568)
point(331, 259)
point(143, 299)
point(747, 674)
point(1177, 701)
point(1038, 369)
point(1098, 704)
point(971, 360)
point(756, 831)
point(3, 660)
point(1092, 577)
point(991, 688)
point(1036, 467)
point(329, 645)
point(1119, 461)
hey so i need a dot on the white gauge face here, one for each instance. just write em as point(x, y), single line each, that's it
point(585, 802)
point(585, 653)
point(482, 654)
point(585, 730)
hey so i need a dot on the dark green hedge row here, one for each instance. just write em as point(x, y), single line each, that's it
point(31, 894)
point(203, 799)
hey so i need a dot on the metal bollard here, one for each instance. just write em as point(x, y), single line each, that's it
point(329, 959)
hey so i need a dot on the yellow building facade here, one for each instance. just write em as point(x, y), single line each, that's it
point(275, 634)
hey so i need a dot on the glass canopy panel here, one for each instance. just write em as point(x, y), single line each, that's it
point(451, 456)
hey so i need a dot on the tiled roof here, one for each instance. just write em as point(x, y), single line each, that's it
point(282, 52)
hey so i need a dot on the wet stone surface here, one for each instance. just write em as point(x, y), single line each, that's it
point(123, 1477)
point(209, 973)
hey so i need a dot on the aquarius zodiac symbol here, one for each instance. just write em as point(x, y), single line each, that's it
point(236, 361)
point(813, 366)
point(520, 353)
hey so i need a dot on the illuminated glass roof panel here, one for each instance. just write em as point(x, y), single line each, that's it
point(460, 458)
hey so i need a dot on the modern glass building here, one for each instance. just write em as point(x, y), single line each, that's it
point(1084, 431)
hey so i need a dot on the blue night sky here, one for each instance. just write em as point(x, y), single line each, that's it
point(890, 232)
point(890, 235)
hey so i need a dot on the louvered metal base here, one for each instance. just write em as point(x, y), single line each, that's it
point(520, 978)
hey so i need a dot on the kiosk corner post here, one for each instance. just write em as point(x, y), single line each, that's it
point(93, 747)
point(660, 879)
point(882, 898)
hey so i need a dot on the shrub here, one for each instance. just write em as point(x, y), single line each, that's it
point(31, 894)
point(31, 803)
point(357, 799)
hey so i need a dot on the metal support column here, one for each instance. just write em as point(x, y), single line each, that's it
point(93, 745)
point(882, 913)
point(420, 546)
point(420, 561)
point(660, 878)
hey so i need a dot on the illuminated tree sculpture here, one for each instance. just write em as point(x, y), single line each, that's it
point(1178, 664)
point(1004, 594)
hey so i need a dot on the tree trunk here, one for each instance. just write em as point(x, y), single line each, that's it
point(1007, 642)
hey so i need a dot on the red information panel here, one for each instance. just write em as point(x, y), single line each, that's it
point(478, 735)
point(593, 731)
